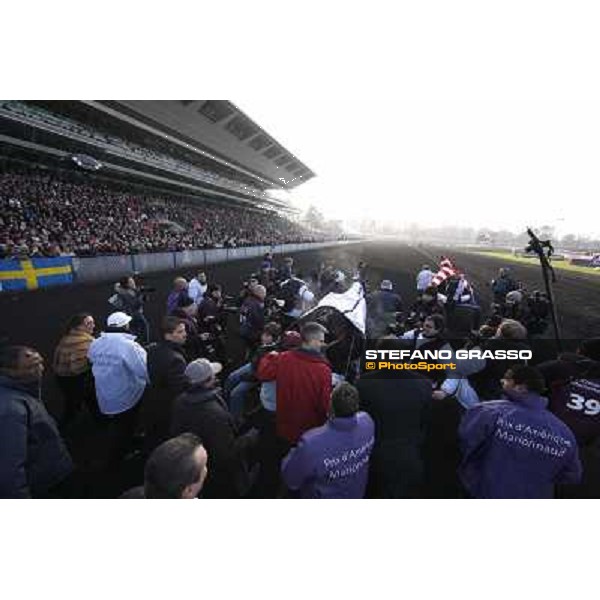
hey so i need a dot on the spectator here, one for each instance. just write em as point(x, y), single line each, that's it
point(72, 367)
point(269, 447)
point(431, 302)
point(267, 262)
point(187, 314)
point(502, 285)
point(510, 335)
point(286, 269)
point(431, 336)
point(179, 292)
point(382, 307)
point(197, 287)
point(176, 470)
point(573, 382)
point(303, 378)
point(399, 403)
point(202, 410)
point(211, 306)
point(516, 448)
point(166, 370)
point(424, 279)
point(34, 461)
point(39, 219)
point(128, 298)
point(242, 380)
point(268, 389)
point(332, 461)
point(121, 376)
point(252, 316)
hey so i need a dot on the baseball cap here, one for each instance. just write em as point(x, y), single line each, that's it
point(118, 319)
point(291, 339)
point(200, 370)
point(386, 284)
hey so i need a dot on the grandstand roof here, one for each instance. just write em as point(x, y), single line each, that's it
point(219, 130)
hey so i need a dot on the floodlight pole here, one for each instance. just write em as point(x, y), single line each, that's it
point(544, 249)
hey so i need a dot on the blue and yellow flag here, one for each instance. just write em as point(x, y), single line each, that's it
point(33, 273)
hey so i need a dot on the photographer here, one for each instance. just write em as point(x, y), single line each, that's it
point(253, 280)
point(187, 312)
point(212, 324)
point(514, 306)
point(510, 335)
point(537, 313)
point(130, 299)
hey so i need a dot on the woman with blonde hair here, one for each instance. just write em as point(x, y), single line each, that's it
point(72, 368)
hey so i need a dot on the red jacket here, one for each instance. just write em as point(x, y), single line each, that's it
point(303, 390)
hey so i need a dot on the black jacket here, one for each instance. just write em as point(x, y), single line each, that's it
point(204, 412)
point(487, 381)
point(252, 319)
point(33, 456)
point(400, 404)
point(574, 395)
point(166, 369)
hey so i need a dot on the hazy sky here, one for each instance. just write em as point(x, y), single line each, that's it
point(447, 122)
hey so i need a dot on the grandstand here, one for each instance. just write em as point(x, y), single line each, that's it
point(199, 161)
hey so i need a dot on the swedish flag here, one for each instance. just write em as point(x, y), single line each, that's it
point(30, 274)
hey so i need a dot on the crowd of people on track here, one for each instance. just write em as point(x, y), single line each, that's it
point(282, 421)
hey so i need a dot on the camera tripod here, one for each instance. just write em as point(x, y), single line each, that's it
point(544, 250)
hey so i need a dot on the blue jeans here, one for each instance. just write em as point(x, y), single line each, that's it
point(235, 389)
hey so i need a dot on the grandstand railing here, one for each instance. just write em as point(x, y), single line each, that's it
point(111, 267)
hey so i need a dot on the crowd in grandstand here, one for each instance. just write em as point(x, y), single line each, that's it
point(38, 115)
point(43, 213)
point(294, 419)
